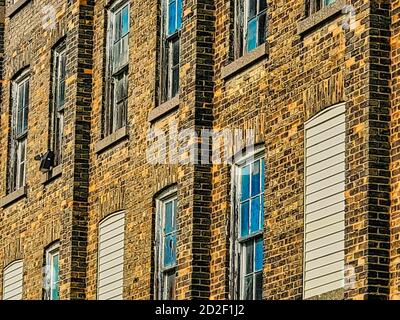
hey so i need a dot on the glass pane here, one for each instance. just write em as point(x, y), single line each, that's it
point(175, 53)
point(262, 214)
point(244, 219)
point(262, 28)
point(328, 2)
point(252, 9)
point(258, 286)
point(262, 175)
point(255, 179)
point(262, 5)
point(248, 288)
point(175, 82)
point(169, 223)
point(55, 273)
point(118, 26)
point(125, 21)
point(124, 50)
point(169, 250)
point(169, 286)
point(249, 257)
point(252, 34)
point(179, 14)
point(245, 185)
point(171, 17)
point(259, 255)
point(255, 214)
point(116, 56)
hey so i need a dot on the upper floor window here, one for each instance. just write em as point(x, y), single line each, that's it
point(116, 107)
point(58, 102)
point(250, 24)
point(316, 5)
point(249, 226)
point(52, 273)
point(172, 22)
point(13, 281)
point(166, 233)
point(19, 131)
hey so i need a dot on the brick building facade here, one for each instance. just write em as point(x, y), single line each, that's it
point(122, 93)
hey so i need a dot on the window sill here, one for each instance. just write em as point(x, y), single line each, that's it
point(245, 62)
point(13, 197)
point(16, 7)
point(112, 139)
point(163, 109)
point(52, 174)
point(320, 17)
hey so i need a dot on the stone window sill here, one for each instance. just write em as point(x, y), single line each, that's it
point(112, 139)
point(320, 17)
point(16, 7)
point(163, 109)
point(13, 197)
point(52, 174)
point(245, 62)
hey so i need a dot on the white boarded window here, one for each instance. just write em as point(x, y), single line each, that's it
point(12, 281)
point(111, 257)
point(324, 201)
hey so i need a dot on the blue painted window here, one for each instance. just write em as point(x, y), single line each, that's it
point(251, 217)
point(166, 246)
point(171, 49)
point(256, 23)
point(117, 78)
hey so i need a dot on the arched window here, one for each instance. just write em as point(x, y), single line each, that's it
point(111, 257)
point(324, 201)
point(248, 226)
point(13, 281)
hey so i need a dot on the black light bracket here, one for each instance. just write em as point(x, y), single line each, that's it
point(46, 161)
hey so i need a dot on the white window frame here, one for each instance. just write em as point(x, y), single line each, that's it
point(21, 85)
point(161, 273)
point(113, 117)
point(51, 253)
point(237, 243)
point(57, 112)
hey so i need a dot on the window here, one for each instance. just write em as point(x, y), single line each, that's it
point(324, 202)
point(58, 103)
point(166, 233)
point(13, 281)
point(316, 5)
point(111, 257)
point(172, 22)
point(250, 24)
point(116, 109)
point(249, 227)
point(51, 285)
point(19, 131)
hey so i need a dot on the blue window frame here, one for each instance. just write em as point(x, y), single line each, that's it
point(166, 230)
point(251, 178)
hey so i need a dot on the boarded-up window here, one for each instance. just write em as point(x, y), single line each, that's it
point(12, 281)
point(324, 202)
point(111, 257)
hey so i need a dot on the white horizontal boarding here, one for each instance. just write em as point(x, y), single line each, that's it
point(13, 281)
point(324, 202)
point(111, 257)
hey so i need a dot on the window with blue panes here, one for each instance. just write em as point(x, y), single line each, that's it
point(251, 226)
point(166, 246)
point(251, 25)
point(316, 5)
point(172, 23)
point(117, 70)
